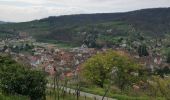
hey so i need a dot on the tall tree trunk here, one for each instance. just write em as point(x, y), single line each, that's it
point(55, 88)
point(58, 88)
point(107, 90)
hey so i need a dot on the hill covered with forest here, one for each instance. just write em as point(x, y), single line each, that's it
point(101, 28)
point(1, 22)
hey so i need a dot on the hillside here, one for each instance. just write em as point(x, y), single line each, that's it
point(1, 22)
point(77, 29)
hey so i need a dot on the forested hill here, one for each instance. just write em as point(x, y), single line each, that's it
point(1, 22)
point(144, 17)
point(152, 22)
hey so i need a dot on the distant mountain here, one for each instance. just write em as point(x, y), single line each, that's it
point(154, 20)
point(1, 22)
point(73, 28)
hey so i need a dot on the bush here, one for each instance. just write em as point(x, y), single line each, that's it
point(17, 79)
point(160, 87)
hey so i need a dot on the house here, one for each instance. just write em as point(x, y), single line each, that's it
point(23, 35)
point(62, 62)
point(8, 50)
point(50, 69)
point(123, 45)
point(84, 46)
point(158, 60)
point(77, 62)
point(69, 74)
point(34, 61)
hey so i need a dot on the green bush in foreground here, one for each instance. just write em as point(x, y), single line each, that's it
point(17, 79)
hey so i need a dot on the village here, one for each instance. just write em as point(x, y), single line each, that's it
point(49, 58)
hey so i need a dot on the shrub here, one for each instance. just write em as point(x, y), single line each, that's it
point(17, 79)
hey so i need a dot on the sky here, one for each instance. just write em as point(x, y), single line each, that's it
point(27, 10)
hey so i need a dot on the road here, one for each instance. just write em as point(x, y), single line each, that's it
point(83, 94)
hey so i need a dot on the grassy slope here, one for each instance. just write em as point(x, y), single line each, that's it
point(50, 95)
point(119, 96)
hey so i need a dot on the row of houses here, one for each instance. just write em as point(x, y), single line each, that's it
point(68, 61)
point(52, 60)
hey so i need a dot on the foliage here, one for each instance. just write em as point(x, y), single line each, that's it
point(118, 96)
point(12, 97)
point(17, 79)
point(163, 71)
point(142, 50)
point(103, 66)
point(4, 48)
point(98, 67)
point(90, 40)
point(168, 57)
point(68, 96)
point(160, 86)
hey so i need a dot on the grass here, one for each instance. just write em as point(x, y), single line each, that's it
point(112, 94)
point(51, 96)
point(100, 91)
point(12, 97)
point(125, 97)
point(119, 96)
point(67, 97)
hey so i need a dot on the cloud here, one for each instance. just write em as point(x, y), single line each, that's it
point(26, 10)
point(26, 1)
point(19, 14)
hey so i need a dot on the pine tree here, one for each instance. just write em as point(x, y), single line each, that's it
point(142, 51)
point(168, 57)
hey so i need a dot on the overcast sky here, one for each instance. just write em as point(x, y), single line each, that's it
point(26, 10)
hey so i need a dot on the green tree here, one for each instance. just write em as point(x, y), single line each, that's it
point(159, 86)
point(17, 79)
point(163, 71)
point(127, 72)
point(4, 48)
point(142, 50)
point(168, 57)
point(98, 68)
point(90, 40)
point(16, 49)
point(28, 47)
